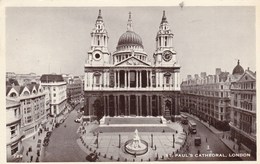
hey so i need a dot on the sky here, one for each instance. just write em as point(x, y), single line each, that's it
point(56, 39)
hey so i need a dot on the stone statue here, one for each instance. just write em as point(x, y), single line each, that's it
point(136, 140)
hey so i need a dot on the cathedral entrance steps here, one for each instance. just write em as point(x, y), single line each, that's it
point(134, 120)
point(134, 125)
point(109, 129)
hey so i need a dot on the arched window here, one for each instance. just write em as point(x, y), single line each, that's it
point(26, 93)
point(13, 94)
point(34, 91)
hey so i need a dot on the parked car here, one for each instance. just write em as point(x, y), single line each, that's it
point(45, 144)
point(92, 157)
point(77, 120)
point(48, 134)
point(57, 125)
point(61, 121)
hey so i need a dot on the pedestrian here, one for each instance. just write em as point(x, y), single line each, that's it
point(31, 158)
point(198, 151)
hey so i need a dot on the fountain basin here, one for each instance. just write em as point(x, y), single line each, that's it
point(140, 150)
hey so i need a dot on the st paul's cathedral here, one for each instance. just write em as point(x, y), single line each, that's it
point(124, 83)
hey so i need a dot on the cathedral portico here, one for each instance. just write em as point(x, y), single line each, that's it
point(124, 83)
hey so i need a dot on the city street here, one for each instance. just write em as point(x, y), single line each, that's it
point(210, 143)
point(63, 146)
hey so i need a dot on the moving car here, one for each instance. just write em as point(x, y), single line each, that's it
point(92, 157)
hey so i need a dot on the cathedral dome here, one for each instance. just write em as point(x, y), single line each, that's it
point(130, 38)
point(238, 70)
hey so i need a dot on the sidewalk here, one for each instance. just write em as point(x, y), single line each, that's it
point(225, 138)
point(35, 144)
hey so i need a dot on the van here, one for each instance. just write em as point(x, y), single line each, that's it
point(197, 140)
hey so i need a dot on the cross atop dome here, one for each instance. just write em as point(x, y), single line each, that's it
point(164, 20)
point(99, 18)
point(129, 23)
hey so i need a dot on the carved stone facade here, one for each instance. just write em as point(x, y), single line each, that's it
point(125, 83)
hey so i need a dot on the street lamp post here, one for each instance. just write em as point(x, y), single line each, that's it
point(119, 142)
point(173, 140)
point(97, 139)
point(152, 140)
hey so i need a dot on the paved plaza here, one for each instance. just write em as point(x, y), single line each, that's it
point(109, 148)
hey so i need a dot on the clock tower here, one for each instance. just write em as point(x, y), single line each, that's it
point(164, 54)
point(98, 54)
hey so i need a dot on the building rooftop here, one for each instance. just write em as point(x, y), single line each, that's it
point(48, 78)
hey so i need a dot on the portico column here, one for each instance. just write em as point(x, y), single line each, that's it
point(118, 102)
point(136, 104)
point(128, 79)
point(125, 79)
point(156, 79)
point(151, 80)
point(147, 111)
point(136, 77)
point(114, 79)
point(140, 84)
point(105, 105)
point(141, 106)
point(140, 79)
point(108, 105)
point(115, 105)
point(128, 105)
point(157, 97)
point(125, 104)
point(151, 111)
point(147, 80)
point(118, 74)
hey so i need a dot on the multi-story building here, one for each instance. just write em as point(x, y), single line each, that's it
point(13, 126)
point(208, 97)
point(125, 82)
point(24, 79)
point(74, 90)
point(10, 75)
point(243, 111)
point(57, 92)
point(33, 110)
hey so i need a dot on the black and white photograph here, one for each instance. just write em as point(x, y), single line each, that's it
point(130, 83)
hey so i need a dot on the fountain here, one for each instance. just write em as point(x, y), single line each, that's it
point(136, 146)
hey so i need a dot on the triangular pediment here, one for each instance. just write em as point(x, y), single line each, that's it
point(246, 77)
point(133, 61)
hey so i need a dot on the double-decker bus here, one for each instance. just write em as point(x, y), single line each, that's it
point(192, 126)
point(184, 119)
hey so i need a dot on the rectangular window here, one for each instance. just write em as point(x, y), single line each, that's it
point(221, 109)
point(97, 80)
point(54, 95)
point(15, 112)
point(13, 131)
point(167, 80)
point(28, 119)
point(14, 148)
